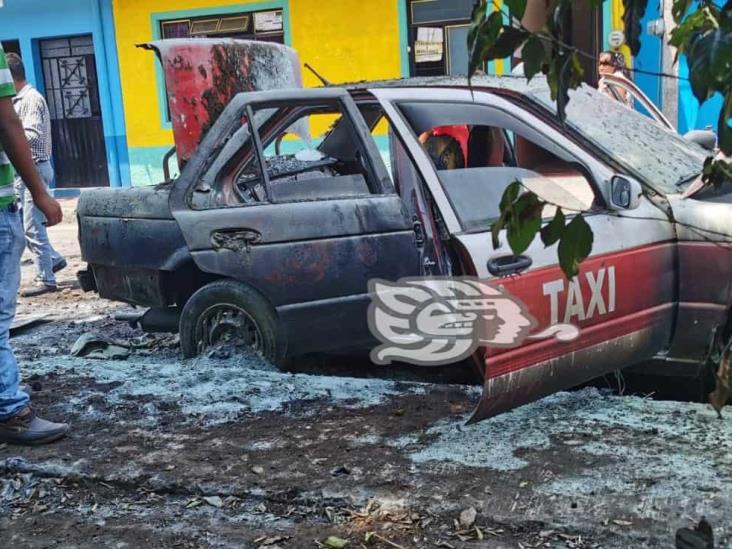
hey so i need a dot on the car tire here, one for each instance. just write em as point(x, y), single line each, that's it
point(227, 308)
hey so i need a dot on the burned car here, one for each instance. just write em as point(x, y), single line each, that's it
point(273, 236)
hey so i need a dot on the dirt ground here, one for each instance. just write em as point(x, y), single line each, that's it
point(230, 452)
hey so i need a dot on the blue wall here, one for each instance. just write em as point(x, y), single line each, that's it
point(29, 21)
point(649, 57)
point(691, 114)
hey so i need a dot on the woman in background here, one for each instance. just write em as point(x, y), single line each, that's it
point(613, 62)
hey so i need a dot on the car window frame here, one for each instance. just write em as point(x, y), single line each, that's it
point(527, 131)
point(194, 176)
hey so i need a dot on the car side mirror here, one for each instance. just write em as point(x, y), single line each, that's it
point(625, 192)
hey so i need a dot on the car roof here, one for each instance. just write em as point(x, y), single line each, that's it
point(506, 83)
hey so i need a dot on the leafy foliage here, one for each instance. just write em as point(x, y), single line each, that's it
point(521, 215)
point(703, 33)
point(546, 52)
point(632, 16)
point(705, 37)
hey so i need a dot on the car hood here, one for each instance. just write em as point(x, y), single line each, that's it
point(704, 217)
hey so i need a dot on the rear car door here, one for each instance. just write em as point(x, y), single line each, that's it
point(623, 299)
point(305, 221)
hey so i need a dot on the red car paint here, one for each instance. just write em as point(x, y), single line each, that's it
point(639, 302)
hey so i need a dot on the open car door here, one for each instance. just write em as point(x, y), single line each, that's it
point(621, 305)
point(619, 86)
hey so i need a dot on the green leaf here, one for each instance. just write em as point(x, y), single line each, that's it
point(716, 172)
point(334, 542)
point(517, 8)
point(482, 40)
point(496, 228)
point(679, 9)
point(633, 13)
point(710, 62)
point(477, 18)
point(510, 195)
point(724, 130)
point(509, 40)
point(565, 73)
point(524, 223)
point(532, 55)
point(552, 231)
point(575, 246)
point(682, 36)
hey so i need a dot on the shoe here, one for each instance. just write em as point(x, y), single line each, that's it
point(39, 289)
point(59, 265)
point(28, 429)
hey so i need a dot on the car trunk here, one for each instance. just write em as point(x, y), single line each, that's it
point(203, 75)
point(129, 237)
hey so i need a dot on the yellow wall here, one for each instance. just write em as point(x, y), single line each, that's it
point(344, 40)
point(617, 10)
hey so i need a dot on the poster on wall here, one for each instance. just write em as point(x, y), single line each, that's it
point(429, 46)
point(268, 21)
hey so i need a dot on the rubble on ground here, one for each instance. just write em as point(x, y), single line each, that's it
point(226, 450)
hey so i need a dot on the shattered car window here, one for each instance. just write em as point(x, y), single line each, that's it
point(232, 145)
point(309, 153)
point(661, 158)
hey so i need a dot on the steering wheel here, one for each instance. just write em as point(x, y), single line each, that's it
point(245, 190)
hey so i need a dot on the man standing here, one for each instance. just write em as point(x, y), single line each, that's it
point(36, 119)
point(18, 423)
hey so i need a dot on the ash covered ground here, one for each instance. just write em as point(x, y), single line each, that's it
point(231, 452)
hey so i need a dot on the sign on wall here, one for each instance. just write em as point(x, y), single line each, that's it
point(429, 46)
point(268, 21)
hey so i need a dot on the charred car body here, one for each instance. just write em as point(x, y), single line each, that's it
point(275, 238)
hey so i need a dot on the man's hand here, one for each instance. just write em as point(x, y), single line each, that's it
point(50, 208)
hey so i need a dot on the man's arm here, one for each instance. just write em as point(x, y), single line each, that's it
point(16, 147)
point(31, 116)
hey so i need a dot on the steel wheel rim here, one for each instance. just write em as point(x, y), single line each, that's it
point(227, 323)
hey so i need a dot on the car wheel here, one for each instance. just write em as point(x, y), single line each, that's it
point(229, 312)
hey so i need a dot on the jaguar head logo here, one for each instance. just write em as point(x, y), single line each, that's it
point(443, 320)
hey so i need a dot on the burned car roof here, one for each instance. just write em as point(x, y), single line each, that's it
point(621, 135)
point(506, 82)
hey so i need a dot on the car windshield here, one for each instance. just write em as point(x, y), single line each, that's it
point(661, 158)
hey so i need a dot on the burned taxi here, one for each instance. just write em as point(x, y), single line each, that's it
point(295, 200)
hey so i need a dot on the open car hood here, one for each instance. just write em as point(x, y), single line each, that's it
point(203, 74)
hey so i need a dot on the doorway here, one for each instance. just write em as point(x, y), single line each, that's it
point(11, 46)
point(72, 93)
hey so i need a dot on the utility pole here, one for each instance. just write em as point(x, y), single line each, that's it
point(669, 86)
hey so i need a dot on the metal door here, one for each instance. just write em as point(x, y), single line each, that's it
point(311, 258)
point(72, 92)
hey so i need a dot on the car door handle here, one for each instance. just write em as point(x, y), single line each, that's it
point(508, 265)
point(235, 239)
